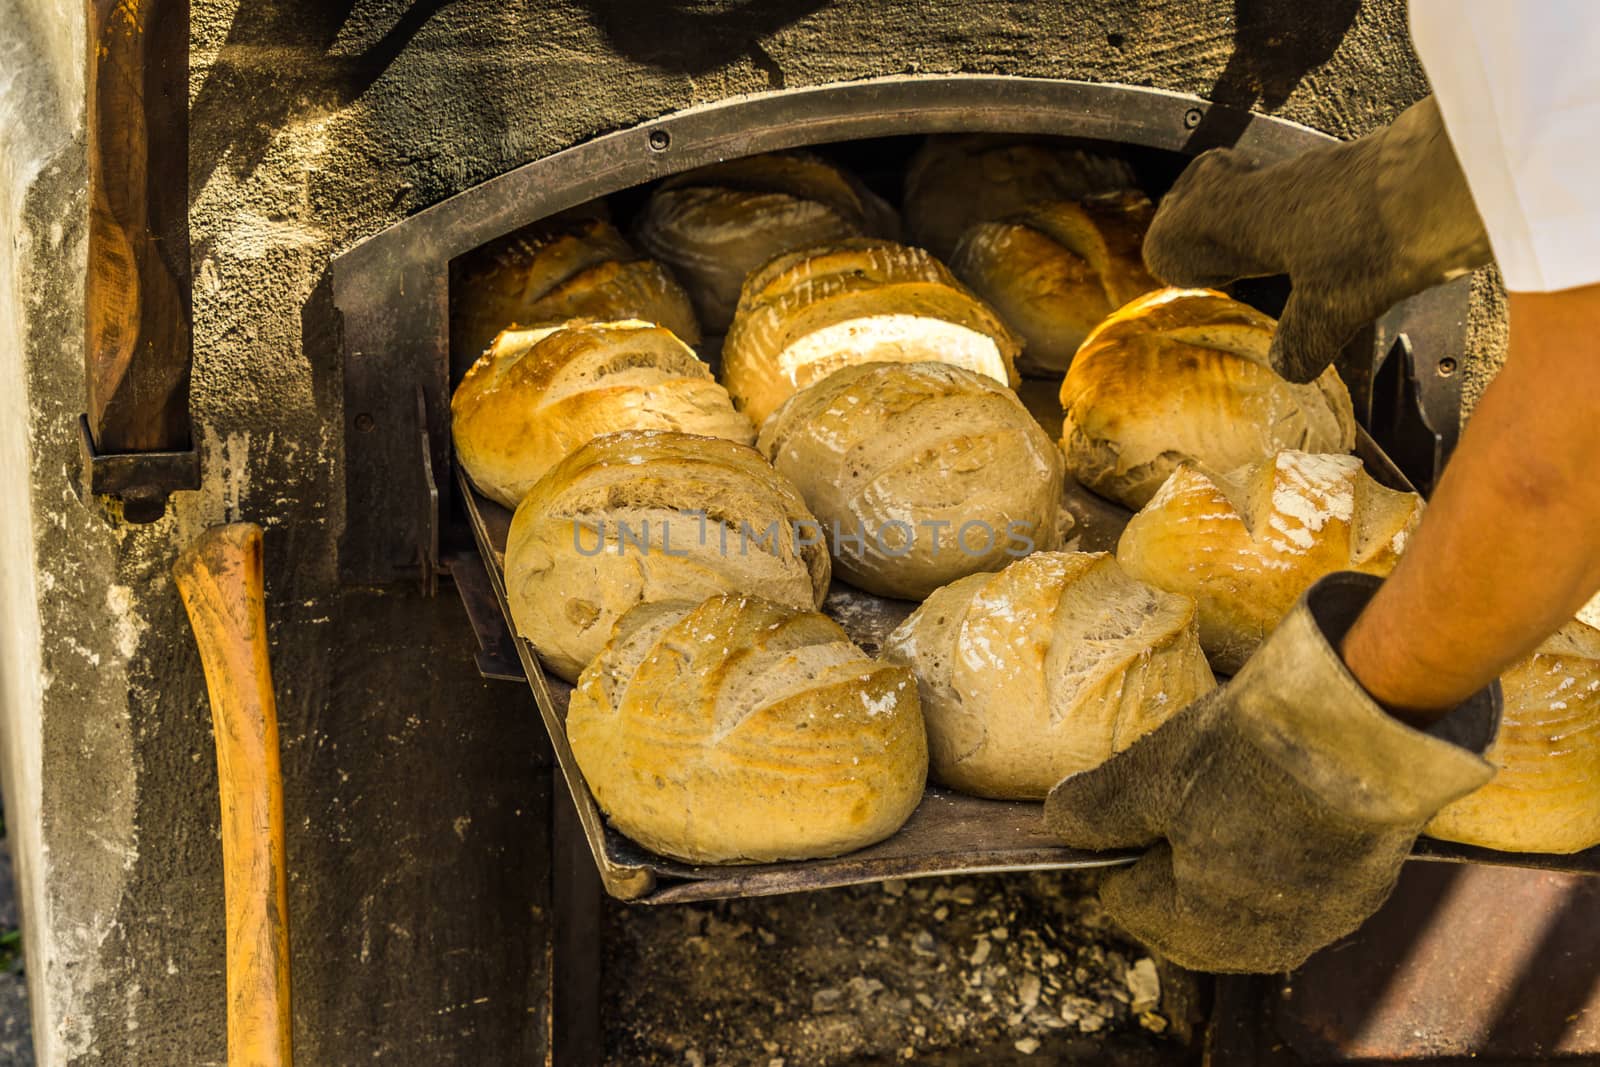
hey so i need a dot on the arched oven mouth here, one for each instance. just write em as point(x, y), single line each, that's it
point(409, 516)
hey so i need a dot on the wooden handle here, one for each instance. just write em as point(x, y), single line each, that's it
point(219, 578)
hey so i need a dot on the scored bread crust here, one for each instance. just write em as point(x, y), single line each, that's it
point(956, 180)
point(805, 314)
point(716, 224)
point(559, 269)
point(1055, 270)
point(1246, 544)
point(1045, 669)
point(647, 515)
point(737, 730)
point(537, 394)
point(922, 444)
point(1183, 374)
point(1545, 796)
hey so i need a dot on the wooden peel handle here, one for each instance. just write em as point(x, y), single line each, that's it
point(220, 580)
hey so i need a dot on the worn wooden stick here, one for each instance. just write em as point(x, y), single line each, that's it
point(220, 580)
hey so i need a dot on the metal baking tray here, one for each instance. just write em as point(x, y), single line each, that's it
point(949, 833)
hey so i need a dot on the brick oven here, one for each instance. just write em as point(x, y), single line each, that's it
point(445, 899)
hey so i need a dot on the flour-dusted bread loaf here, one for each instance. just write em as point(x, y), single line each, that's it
point(715, 225)
point(919, 472)
point(646, 515)
point(1545, 797)
point(737, 730)
point(538, 394)
point(559, 269)
point(805, 314)
point(956, 180)
point(1048, 668)
point(1246, 544)
point(1058, 268)
point(1182, 374)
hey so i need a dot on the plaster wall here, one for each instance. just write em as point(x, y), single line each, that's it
point(416, 798)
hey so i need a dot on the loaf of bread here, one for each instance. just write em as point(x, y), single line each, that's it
point(805, 314)
point(737, 730)
point(1055, 270)
point(559, 269)
point(920, 472)
point(1182, 374)
point(1246, 544)
point(715, 225)
point(648, 515)
point(956, 180)
point(1048, 668)
point(1545, 797)
point(537, 394)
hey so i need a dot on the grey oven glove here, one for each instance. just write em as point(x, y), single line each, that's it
point(1276, 810)
point(1357, 227)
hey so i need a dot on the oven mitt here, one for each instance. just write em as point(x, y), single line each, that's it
point(1277, 809)
point(1358, 227)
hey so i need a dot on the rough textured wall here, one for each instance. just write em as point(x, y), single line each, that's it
point(416, 811)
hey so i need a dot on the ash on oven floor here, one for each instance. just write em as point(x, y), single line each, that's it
point(948, 971)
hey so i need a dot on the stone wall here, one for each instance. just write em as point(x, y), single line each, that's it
point(416, 801)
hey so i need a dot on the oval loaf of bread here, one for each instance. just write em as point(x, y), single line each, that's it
point(1048, 668)
point(1246, 544)
point(1545, 797)
point(645, 515)
point(1055, 270)
point(538, 394)
point(559, 269)
point(919, 472)
point(736, 730)
point(1182, 374)
point(716, 224)
point(955, 180)
point(804, 315)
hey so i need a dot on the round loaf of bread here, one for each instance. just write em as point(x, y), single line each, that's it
point(1048, 668)
point(559, 269)
point(956, 180)
point(1246, 544)
point(737, 730)
point(805, 314)
point(643, 516)
point(1054, 271)
point(1545, 797)
point(538, 394)
point(921, 473)
point(715, 225)
point(1182, 374)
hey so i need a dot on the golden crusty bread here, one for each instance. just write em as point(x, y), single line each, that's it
point(1055, 270)
point(1246, 544)
point(1545, 797)
point(1048, 668)
point(937, 473)
point(737, 730)
point(537, 394)
point(805, 314)
point(559, 269)
point(716, 224)
point(1182, 374)
point(648, 515)
point(956, 180)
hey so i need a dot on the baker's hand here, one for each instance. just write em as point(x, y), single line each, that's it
point(1278, 809)
point(1358, 227)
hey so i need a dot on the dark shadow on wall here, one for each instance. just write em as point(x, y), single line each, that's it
point(1276, 43)
point(695, 36)
point(276, 65)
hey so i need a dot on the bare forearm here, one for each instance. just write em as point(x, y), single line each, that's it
point(1509, 548)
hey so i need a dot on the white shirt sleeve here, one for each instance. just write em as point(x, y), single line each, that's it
point(1518, 85)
